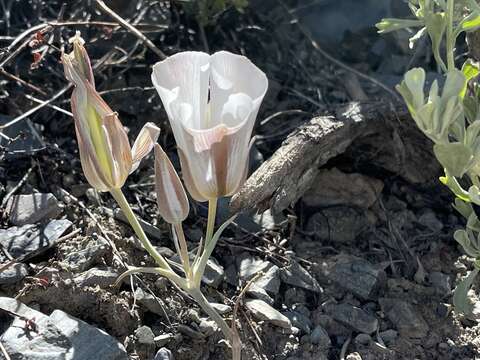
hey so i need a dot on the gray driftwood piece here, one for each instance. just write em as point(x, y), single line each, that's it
point(387, 132)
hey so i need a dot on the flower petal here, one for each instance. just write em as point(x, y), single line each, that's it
point(235, 74)
point(119, 149)
point(184, 77)
point(188, 178)
point(144, 143)
point(216, 160)
point(91, 168)
point(171, 197)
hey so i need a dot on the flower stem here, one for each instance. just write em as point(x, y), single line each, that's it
point(132, 219)
point(183, 249)
point(212, 213)
point(227, 332)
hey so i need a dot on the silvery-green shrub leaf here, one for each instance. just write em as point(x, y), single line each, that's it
point(474, 194)
point(454, 84)
point(463, 207)
point(470, 108)
point(473, 223)
point(452, 183)
point(426, 118)
point(436, 24)
point(455, 157)
point(470, 70)
point(441, 3)
point(411, 88)
point(390, 24)
point(448, 112)
point(470, 23)
point(471, 135)
point(460, 297)
point(463, 238)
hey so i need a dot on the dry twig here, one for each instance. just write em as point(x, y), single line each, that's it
point(148, 43)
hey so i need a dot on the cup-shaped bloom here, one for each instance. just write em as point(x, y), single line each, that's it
point(212, 103)
point(105, 152)
point(171, 197)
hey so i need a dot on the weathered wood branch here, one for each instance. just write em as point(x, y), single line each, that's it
point(282, 180)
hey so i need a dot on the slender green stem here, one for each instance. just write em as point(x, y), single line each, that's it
point(205, 305)
point(132, 219)
point(212, 213)
point(150, 270)
point(450, 39)
point(183, 249)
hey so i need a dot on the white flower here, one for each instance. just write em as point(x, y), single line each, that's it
point(212, 103)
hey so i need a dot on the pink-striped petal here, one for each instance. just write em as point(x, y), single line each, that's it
point(171, 197)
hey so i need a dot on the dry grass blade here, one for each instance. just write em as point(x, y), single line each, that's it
point(148, 43)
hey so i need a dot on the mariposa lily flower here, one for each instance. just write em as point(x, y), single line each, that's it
point(212, 103)
point(105, 152)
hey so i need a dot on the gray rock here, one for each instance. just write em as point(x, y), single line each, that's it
point(353, 317)
point(164, 339)
point(295, 275)
point(149, 302)
point(249, 266)
point(262, 311)
point(13, 274)
point(191, 333)
point(88, 341)
point(300, 321)
point(96, 276)
point(403, 220)
point(441, 282)
point(409, 322)
point(48, 343)
point(27, 239)
point(214, 273)
point(333, 187)
point(430, 221)
point(150, 230)
point(221, 308)
point(259, 293)
point(389, 336)
point(207, 327)
point(83, 259)
point(293, 296)
point(32, 208)
point(163, 354)
point(358, 276)
point(319, 336)
point(270, 281)
point(231, 275)
point(363, 339)
point(340, 224)
point(59, 336)
point(145, 342)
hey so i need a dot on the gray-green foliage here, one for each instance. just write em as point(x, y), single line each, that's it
point(449, 115)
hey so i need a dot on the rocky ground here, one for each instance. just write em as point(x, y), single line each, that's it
point(361, 267)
